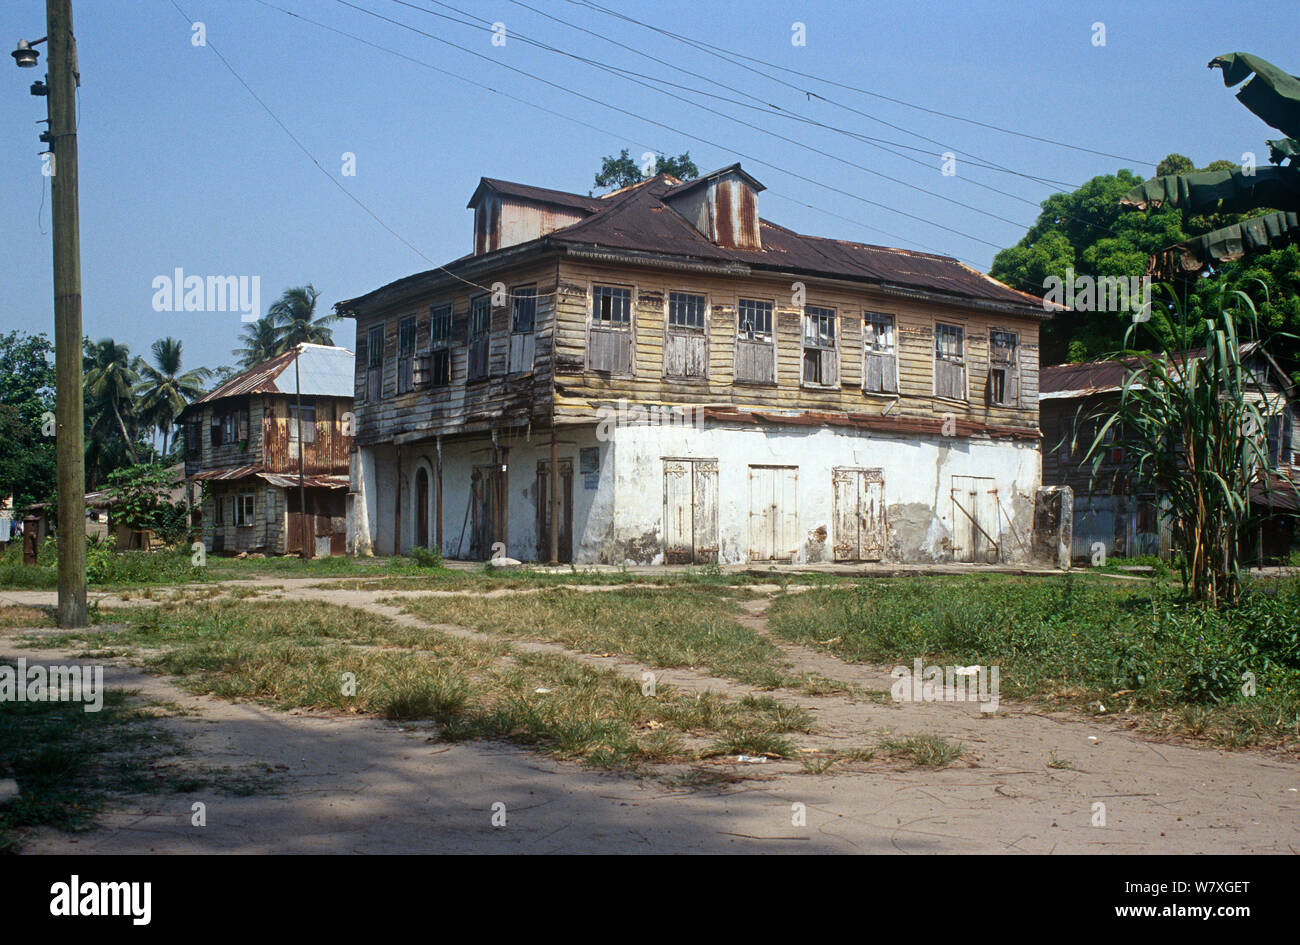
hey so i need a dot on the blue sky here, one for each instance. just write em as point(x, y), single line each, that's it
point(181, 167)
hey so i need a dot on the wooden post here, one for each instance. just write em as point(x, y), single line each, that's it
point(439, 488)
point(69, 443)
point(397, 506)
point(302, 450)
point(555, 497)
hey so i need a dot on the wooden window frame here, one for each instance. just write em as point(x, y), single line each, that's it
point(478, 345)
point(527, 292)
point(375, 362)
point(887, 354)
point(824, 316)
point(755, 337)
point(595, 290)
point(441, 317)
point(406, 328)
point(245, 517)
point(1011, 386)
point(961, 361)
point(686, 330)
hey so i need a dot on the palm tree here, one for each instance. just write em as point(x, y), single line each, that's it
point(164, 390)
point(294, 313)
point(262, 341)
point(111, 380)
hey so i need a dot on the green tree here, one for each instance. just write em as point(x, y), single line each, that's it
point(261, 342)
point(111, 378)
point(27, 464)
point(295, 315)
point(164, 390)
point(622, 171)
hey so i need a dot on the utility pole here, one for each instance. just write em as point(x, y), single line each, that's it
point(302, 489)
point(61, 99)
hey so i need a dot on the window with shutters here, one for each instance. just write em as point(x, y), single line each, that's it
point(375, 364)
point(879, 354)
point(1279, 432)
point(218, 510)
point(820, 355)
point(478, 337)
point(523, 317)
point(685, 346)
point(609, 332)
point(193, 438)
point(949, 362)
point(1004, 369)
point(308, 427)
point(439, 355)
point(406, 355)
point(755, 351)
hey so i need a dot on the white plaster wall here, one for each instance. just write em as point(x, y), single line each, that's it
point(917, 471)
point(620, 519)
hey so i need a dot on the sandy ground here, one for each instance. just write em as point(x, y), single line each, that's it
point(359, 785)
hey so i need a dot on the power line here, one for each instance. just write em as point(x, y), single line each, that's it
point(281, 124)
point(862, 91)
point(626, 73)
point(722, 147)
point(550, 111)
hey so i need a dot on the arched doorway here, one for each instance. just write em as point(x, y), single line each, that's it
point(422, 507)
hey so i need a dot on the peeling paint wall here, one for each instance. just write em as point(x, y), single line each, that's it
point(618, 505)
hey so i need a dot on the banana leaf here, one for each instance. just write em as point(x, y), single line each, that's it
point(1226, 191)
point(1273, 95)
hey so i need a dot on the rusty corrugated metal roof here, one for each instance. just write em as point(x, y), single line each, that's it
point(637, 219)
point(227, 475)
point(326, 371)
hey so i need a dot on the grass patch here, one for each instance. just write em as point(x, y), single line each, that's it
point(19, 616)
point(927, 751)
point(328, 658)
point(1101, 645)
point(691, 627)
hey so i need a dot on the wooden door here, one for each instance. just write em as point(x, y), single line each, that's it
point(544, 511)
point(858, 514)
point(690, 511)
point(773, 513)
point(421, 496)
point(975, 531)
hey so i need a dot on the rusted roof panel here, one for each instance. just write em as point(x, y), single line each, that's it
point(227, 475)
point(311, 482)
point(637, 219)
point(326, 372)
point(532, 194)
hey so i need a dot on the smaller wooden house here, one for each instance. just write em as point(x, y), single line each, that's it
point(1109, 508)
point(270, 482)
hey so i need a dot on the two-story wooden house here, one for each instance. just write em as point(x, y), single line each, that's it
point(266, 488)
point(671, 378)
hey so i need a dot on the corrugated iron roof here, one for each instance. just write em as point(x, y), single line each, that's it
point(287, 481)
point(637, 219)
point(326, 372)
point(282, 480)
point(1086, 378)
point(227, 475)
point(559, 198)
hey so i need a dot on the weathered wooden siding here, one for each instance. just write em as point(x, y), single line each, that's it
point(501, 399)
point(327, 456)
point(914, 336)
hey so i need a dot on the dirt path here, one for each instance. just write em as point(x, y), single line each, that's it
point(361, 785)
